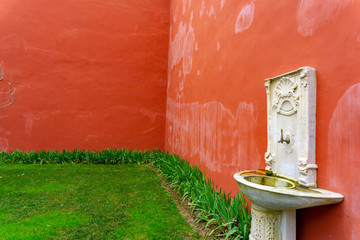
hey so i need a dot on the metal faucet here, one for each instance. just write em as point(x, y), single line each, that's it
point(282, 139)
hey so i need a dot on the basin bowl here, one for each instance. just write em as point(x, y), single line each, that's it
point(269, 181)
point(277, 193)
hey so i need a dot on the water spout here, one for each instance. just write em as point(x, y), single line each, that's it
point(282, 139)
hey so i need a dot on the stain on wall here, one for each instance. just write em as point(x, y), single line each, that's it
point(312, 14)
point(222, 3)
point(216, 113)
point(245, 17)
point(181, 49)
point(344, 155)
point(210, 132)
point(213, 137)
point(4, 144)
point(88, 74)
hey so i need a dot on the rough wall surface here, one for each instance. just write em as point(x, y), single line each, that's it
point(219, 55)
point(88, 74)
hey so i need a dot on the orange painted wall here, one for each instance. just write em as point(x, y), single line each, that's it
point(220, 53)
point(88, 74)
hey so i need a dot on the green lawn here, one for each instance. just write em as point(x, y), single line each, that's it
point(87, 202)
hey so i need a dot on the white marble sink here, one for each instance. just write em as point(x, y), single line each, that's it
point(276, 193)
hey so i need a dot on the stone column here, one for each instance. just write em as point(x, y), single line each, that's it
point(265, 224)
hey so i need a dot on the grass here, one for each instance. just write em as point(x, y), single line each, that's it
point(106, 156)
point(225, 215)
point(77, 201)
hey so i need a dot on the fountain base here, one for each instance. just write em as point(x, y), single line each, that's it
point(272, 225)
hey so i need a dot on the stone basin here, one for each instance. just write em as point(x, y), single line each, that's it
point(281, 194)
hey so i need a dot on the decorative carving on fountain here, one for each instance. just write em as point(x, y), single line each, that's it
point(286, 101)
point(265, 224)
point(304, 77)
point(269, 160)
point(307, 173)
point(288, 148)
point(291, 107)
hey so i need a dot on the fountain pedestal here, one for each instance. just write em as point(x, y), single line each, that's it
point(264, 224)
point(272, 224)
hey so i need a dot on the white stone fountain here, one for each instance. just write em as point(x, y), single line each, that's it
point(289, 182)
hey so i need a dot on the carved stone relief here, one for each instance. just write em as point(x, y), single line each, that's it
point(291, 108)
point(286, 101)
point(307, 173)
point(269, 159)
point(303, 78)
point(265, 224)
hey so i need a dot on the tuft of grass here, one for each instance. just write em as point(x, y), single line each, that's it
point(87, 202)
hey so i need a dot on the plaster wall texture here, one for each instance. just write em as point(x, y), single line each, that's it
point(88, 74)
point(220, 53)
point(100, 74)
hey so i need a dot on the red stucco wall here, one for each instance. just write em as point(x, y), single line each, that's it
point(88, 74)
point(92, 75)
point(220, 53)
